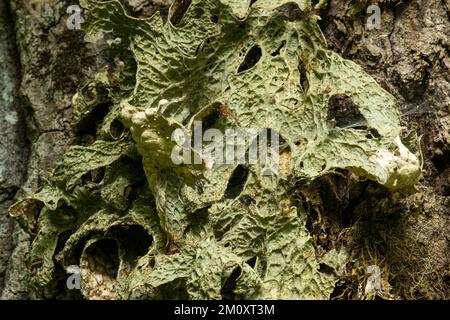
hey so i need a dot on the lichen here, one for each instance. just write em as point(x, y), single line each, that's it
point(211, 227)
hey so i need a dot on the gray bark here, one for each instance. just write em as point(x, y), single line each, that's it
point(13, 160)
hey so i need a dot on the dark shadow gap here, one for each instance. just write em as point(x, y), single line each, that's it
point(237, 182)
point(251, 59)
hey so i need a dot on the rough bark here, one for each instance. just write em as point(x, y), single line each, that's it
point(13, 158)
point(54, 61)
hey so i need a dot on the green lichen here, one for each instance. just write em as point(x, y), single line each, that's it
point(265, 71)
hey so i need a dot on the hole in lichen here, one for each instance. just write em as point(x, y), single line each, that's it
point(214, 19)
point(277, 52)
point(116, 129)
point(236, 182)
point(441, 162)
point(442, 180)
point(251, 59)
point(374, 134)
point(168, 291)
point(251, 262)
point(228, 288)
point(324, 268)
point(343, 113)
point(197, 220)
point(443, 183)
point(304, 83)
point(177, 11)
point(77, 249)
point(88, 124)
point(133, 240)
point(210, 119)
point(103, 257)
point(62, 239)
point(252, 2)
point(289, 9)
point(93, 176)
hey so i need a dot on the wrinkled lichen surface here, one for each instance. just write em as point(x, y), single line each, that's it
point(139, 226)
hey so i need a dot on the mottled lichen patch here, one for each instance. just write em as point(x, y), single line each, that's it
point(208, 222)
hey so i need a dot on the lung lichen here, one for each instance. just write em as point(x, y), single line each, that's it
point(268, 72)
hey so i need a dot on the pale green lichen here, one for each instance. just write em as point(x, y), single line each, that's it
point(202, 233)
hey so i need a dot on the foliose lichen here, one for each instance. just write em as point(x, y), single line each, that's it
point(155, 229)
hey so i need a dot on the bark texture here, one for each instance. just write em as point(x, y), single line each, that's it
point(54, 61)
point(13, 158)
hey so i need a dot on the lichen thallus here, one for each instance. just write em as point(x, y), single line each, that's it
point(410, 109)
